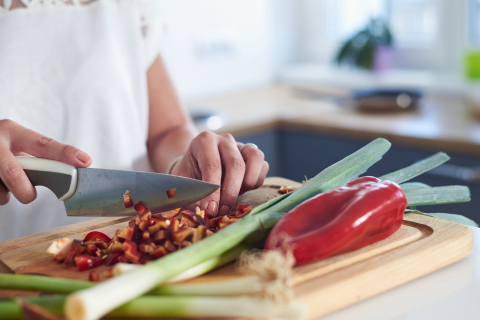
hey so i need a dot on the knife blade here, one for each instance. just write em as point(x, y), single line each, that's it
point(99, 192)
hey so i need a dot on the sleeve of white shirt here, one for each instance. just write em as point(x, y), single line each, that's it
point(153, 41)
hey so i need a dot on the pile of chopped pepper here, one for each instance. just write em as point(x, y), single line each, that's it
point(146, 238)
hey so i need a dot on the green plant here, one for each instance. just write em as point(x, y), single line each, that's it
point(359, 50)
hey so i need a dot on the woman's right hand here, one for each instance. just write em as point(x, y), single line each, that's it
point(16, 140)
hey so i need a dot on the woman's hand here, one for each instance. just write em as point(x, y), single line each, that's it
point(16, 140)
point(218, 159)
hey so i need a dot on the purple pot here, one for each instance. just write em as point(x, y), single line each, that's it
point(383, 59)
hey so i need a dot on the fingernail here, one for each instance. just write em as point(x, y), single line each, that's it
point(211, 209)
point(224, 210)
point(82, 156)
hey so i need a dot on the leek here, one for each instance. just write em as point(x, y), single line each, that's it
point(408, 186)
point(446, 216)
point(269, 203)
point(437, 195)
point(334, 176)
point(198, 270)
point(417, 168)
point(47, 284)
point(97, 301)
point(179, 307)
point(244, 285)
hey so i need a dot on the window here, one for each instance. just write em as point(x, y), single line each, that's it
point(474, 22)
point(414, 23)
point(346, 17)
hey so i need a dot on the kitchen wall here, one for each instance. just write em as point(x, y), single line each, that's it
point(217, 46)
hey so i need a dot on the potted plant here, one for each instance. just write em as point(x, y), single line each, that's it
point(368, 48)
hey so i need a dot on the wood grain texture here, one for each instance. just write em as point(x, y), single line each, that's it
point(422, 245)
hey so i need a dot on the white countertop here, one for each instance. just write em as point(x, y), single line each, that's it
point(452, 292)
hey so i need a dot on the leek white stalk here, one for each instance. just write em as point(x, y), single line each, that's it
point(197, 307)
point(236, 287)
point(195, 271)
point(178, 307)
point(47, 284)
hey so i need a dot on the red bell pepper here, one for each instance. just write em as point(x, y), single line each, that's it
point(97, 235)
point(85, 262)
point(363, 211)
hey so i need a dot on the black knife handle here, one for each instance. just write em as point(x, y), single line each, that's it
point(59, 177)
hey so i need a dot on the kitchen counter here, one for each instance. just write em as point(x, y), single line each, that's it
point(440, 123)
point(452, 292)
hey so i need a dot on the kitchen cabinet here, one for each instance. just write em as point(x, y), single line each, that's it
point(295, 154)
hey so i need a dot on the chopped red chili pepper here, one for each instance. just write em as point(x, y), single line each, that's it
point(131, 252)
point(127, 201)
point(363, 211)
point(141, 207)
point(112, 258)
point(75, 246)
point(171, 193)
point(172, 214)
point(85, 262)
point(92, 249)
point(96, 235)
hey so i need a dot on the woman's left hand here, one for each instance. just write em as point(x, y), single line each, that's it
point(221, 160)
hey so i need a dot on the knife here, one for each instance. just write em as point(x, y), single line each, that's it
point(99, 192)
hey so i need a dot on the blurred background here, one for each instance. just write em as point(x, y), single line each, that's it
point(310, 81)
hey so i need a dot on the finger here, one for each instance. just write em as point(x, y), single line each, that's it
point(15, 178)
point(234, 171)
point(263, 175)
point(4, 196)
point(253, 161)
point(38, 145)
point(204, 149)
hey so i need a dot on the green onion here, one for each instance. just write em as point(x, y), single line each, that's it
point(416, 169)
point(182, 307)
point(45, 284)
point(437, 195)
point(95, 302)
point(236, 287)
point(198, 270)
point(447, 216)
point(336, 175)
point(408, 186)
point(269, 203)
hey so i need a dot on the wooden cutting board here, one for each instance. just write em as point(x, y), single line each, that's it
point(422, 245)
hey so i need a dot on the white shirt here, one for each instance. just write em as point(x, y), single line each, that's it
point(76, 72)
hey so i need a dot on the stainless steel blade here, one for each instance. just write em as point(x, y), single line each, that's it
point(100, 192)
